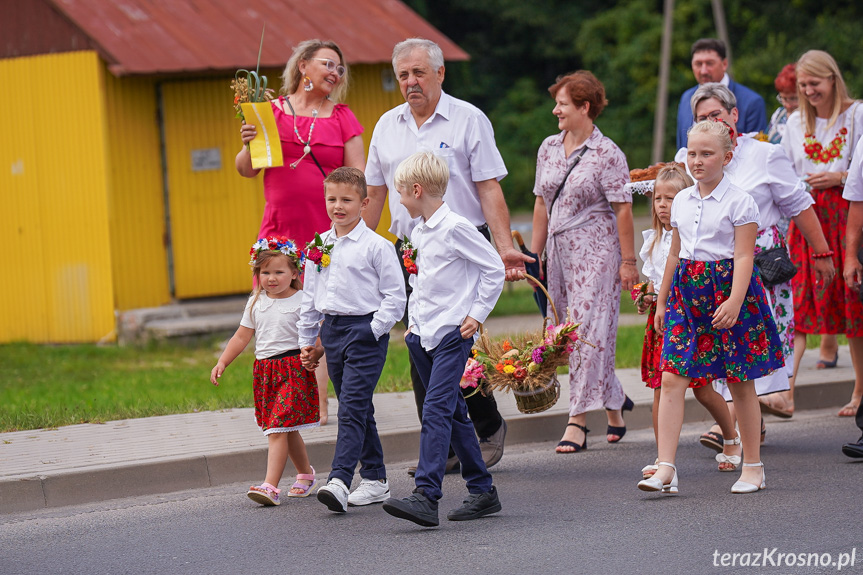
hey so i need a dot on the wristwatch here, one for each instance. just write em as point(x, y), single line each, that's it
point(844, 177)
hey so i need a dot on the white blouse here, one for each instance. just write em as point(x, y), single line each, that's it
point(275, 323)
point(706, 225)
point(854, 186)
point(766, 173)
point(794, 140)
point(654, 261)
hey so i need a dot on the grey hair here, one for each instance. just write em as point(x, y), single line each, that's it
point(713, 90)
point(435, 54)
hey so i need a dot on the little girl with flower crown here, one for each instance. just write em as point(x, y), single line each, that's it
point(712, 308)
point(286, 394)
point(670, 180)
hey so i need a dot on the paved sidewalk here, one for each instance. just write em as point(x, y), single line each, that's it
point(95, 462)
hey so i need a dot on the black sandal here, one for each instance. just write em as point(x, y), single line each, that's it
point(712, 440)
point(619, 431)
point(577, 447)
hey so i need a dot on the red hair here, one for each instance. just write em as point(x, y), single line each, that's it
point(786, 81)
point(582, 86)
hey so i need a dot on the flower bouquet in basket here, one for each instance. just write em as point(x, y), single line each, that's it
point(527, 364)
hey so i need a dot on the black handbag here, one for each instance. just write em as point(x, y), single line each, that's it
point(775, 266)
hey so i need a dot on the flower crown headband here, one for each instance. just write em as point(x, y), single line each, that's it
point(278, 244)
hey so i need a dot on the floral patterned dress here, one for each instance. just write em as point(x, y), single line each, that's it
point(835, 308)
point(583, 251)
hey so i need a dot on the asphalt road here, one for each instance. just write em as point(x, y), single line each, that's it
point(561, 514)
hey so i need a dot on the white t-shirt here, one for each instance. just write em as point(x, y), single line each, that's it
point(706, 225)
point(275, 323)
point(457, 132)
point(765, 172)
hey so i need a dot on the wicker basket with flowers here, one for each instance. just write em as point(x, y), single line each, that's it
point(526, 364)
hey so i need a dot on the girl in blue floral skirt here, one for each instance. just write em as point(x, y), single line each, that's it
point(712, 309)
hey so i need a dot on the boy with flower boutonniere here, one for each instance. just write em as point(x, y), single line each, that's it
point(354, 285)
point(458, 279)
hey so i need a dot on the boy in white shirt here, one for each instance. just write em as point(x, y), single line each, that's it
point(458, 281)
point(353, 283)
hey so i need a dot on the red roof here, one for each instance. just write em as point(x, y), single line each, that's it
point(164, 36)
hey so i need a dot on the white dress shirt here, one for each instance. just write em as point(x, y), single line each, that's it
point(459, 275)
point(706, 225)
point(274, 322)
point(766, 173)
point(853, 191)
point(458, 133)
point(363, 277)
point(654, 260)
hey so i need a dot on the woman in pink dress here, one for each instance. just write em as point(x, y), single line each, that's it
point(585, 226)
point(318, 135)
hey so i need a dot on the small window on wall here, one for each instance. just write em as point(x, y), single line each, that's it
point(388, 80)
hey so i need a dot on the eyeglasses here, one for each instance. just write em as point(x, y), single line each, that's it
point(711, 116)
point(332, 66)
point(783, 100)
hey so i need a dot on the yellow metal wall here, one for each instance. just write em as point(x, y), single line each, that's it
point(139, 257)
point(55, 249)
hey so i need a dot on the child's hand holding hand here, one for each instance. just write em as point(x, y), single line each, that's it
point(217, 373)
point(644, 304)
point(310, 355)
point(469, 327)
point(725, 315)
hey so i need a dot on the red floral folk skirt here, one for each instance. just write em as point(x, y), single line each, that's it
point(651, 356)
point(817, 308)
point(692, 347)
point(286, 395)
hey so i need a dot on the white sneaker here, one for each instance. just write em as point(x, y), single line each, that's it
point(334, 495)
point(370, 491)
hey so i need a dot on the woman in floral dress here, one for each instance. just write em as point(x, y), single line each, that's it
point(587, 233)
point(819, 138)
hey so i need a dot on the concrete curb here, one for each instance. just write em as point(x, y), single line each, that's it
point(165, 475)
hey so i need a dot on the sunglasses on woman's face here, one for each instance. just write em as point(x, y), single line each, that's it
point(333, 67)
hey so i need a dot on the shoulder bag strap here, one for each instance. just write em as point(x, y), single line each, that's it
point(851, 145)
point(311, 153)
point(563, 183)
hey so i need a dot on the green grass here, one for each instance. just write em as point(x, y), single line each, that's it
point(517, 299)
point(53, 385)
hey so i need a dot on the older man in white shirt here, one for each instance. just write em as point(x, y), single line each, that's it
point(461, 134)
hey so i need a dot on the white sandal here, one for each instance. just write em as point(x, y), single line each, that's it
point(648, 470)
point(732, 459)
point(656, 484)
point(746, 487)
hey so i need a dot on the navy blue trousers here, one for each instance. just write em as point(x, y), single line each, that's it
point(445, 421)
point(355, 360)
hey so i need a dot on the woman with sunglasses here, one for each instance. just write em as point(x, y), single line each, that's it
point(318, 135)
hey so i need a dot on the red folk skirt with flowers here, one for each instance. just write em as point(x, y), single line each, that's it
point(831, 308)
point(651, 356)
point(286, 395)
point(692, 347)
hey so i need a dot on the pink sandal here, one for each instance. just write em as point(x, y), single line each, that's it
point(307, 489)
point(265, 494)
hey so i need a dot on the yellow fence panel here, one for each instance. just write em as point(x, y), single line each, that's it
point(55, 253)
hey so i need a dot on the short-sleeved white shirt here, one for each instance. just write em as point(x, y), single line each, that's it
point(457, 132)
point(766, 173)
point(654, 259)
point(275, 323)
point(854, 184)
point(706, 225)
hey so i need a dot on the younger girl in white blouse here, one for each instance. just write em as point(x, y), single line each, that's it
point(286, 394)
point(654, 253)
point(712, 309)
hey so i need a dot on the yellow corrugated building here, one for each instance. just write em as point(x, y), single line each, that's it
point(101, 198)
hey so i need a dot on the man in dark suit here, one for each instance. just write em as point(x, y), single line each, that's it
point(709, 64)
